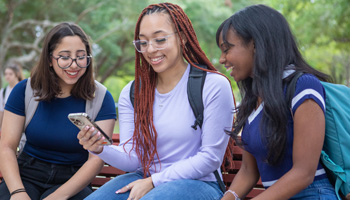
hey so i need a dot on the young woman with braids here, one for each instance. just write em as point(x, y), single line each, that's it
point(281, 144)
point(168, 158)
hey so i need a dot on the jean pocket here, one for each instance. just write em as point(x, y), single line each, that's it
point(327, 193)
point(322, 193)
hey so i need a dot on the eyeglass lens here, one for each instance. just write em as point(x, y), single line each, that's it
point(65, 61)
point(157, 43)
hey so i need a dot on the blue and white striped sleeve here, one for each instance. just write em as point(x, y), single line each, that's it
point(308, 87)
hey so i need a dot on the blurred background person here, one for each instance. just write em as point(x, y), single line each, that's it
point(13, 74)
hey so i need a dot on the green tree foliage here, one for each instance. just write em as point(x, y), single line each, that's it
point(109, 23)
point(322, 28)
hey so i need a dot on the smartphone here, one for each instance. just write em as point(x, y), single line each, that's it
point(82, 119)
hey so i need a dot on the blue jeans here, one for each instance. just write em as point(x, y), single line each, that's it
point(178, 189)
point(318, 190)
point(41, 178)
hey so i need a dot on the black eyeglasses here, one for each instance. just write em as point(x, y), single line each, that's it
point(65, 62)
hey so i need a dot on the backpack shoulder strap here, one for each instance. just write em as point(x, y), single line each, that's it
point(4, 92)
point(132, 92)
point(3, 96)
point(93, 106)
point(220, 182)
point(195, 85)
point(291, 88)
point(30, 102)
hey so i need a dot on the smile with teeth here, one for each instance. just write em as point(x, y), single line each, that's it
point(157, 59)
point(229, 68)
point(72, 73)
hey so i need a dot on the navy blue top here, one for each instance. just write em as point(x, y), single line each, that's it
point(51, 137)
point(307, 87)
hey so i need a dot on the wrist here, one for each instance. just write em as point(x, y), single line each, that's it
point(96, 152)
point(17, 191)
point(150, 179)
point(232, 193)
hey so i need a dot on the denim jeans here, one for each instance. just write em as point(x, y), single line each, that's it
point(318, 190)
point(41, 178)
point(173, 190)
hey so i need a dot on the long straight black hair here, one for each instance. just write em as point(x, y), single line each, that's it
point(275, 48)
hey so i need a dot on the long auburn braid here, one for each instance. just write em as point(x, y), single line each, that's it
point(145, 134)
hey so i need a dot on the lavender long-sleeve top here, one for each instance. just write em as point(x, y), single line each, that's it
point(184, 153)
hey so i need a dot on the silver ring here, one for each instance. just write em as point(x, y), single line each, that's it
point(128, 187)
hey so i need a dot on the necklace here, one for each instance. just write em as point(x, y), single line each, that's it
point(162, 99)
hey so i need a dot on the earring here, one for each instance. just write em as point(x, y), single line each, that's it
point(185, 48)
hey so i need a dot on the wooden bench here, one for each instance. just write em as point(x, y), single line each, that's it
point(109, 172)
point(231, 173)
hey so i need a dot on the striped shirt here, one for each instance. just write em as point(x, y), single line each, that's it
point(307, 87)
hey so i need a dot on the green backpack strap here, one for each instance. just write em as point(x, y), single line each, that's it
point(336, 169)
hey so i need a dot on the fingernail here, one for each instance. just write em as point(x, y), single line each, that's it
point(117, 192)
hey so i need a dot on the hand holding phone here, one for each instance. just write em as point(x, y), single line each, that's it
point(81, 120)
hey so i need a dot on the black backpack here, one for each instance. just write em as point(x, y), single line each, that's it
point(195, 85)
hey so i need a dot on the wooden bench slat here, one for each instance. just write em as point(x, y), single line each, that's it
point(227, 178)
point(110, 171)
point(255, 192)
point(237, 150)
point(115, 137)
point(99, 181)
point(235, 166)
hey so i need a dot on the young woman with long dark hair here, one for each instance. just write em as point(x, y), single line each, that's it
point(282, 143)
point(53, 165)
